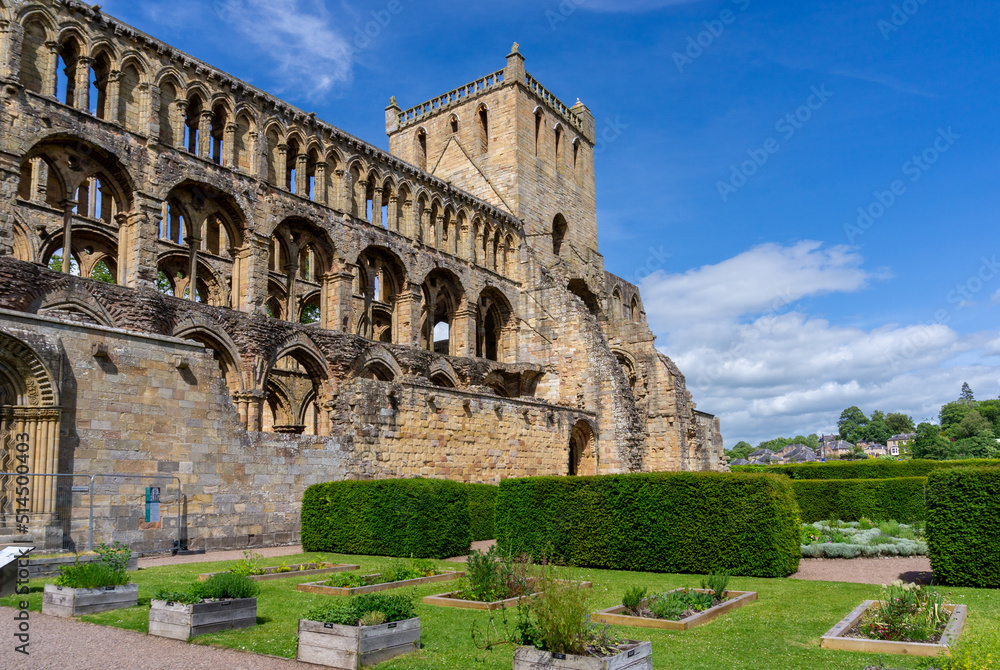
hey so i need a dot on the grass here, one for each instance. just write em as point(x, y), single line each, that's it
point(780, 631)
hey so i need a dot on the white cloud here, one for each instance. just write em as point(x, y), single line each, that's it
point(768, 369)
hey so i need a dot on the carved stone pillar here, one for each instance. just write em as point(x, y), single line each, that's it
point(112, 93)
point(179, 120)
point(67, 259)
point(360, 208)
point(463, 332)
point(439, 232)
point(205, 134)
point(6, 38)
point(377, 208)
point(408, 315)
point(255, 153)
point(82, 80)
point(301, 176)
point(339, 189)
point(229, 146)
point(281, 169)
point(393, 214)
point(321, 195)
point(339, 300)
point(250, 405)
point(49, 75)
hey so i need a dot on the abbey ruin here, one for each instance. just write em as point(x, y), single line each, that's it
point(200, 281)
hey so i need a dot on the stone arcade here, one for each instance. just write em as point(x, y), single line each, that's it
point(200, 280)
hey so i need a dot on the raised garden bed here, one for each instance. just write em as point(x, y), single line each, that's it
point(180, 621)
point(351, 647)
point(293, 571)
point(42, 568)
point(64, 601)
point(454, 599)
point(634, 655)
point(320, 587)
point(836, 638)
point(735, 599)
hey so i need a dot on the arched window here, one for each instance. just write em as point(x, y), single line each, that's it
point(636, 312)
point(441, 297)
point(616, 303)
point(582, 455)
point(36, 59)
point(220, 118)
point(559, 147)
point(453, 124)
point(168, 104)
point(192, 125)
point(66, 77)
point(291, 159)
point(100, 70)
point(559, 230)
point(576, 157)
point(129, 110)
point(482, 118)
point(539, 120)
point(244, 146)
point(493, 317)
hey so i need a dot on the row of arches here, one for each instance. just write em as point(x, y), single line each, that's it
point(205, 253)
point(92, 75)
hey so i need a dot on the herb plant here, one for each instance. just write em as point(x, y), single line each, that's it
point(391, 607)
point(907, 612)
point(108, 570)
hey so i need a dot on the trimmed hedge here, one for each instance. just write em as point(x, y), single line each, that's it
point(963, 526)
point(691, 522)
point(423, 518)
point(482, 506)
point(900, 499)
point(866, 469)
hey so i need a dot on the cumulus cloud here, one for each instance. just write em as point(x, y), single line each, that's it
point(752, 356)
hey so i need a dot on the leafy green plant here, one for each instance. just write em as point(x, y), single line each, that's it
point(372, 619)
point(633, 599)
point(906, 612)
point(395, 607)
point(495, 575)
point(717, 583)
point(226, 585)
point(248, 565)
point(182, 597)
point(558, 621)
point(108, 570)
point(981, 654)
point(347, 580)
point(674, 605)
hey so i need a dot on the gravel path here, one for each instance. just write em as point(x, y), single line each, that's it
point(58, 644)
point(915, 569)
point(231, 555)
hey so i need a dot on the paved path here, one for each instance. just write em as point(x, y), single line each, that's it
point(916, 569)
point(63, 644)
point(229, 555)
point(482, 545)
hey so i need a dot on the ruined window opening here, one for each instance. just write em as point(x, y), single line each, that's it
point(538, 132)
point(420, 157)
point(56, 262)
point(311, 312)
point(99, 73)
point(192, 122)
point(559, 147)
point(217, 148)
point(453, 122)
point(559, 230)
point(635, 312)
point(484, 130)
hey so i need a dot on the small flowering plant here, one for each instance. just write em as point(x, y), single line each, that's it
point(905, 612)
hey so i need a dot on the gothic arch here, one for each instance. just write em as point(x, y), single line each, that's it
point(221, 345)
point(583, 455)
point(25, 375)
point(72, 305)
point(376, 363)
point(441, 373)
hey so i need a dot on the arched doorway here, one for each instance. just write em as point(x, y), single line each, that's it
point(582, 450)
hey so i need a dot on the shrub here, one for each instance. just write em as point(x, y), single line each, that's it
point(493, 575)
point(866, 469)
point(390, 608)
point(963, 526)
point(226, 585)
point(482, 505)
point(746, 524)
point(901, 499)
point(108, 570)
point(425, 518)
point(248, 565)
point(558, 621)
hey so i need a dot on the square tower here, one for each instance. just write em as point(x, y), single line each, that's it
point(505, 139)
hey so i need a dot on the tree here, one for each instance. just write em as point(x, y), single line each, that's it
point(953, 413)
point(741, 450)
point(851, 419)
point(967, 397)
point(857, 454)
point(931, 444)
point(899, 423)
point(981, 445)
point(878, 415)
point(877, 431)
point(973, 424)
point(102, 273)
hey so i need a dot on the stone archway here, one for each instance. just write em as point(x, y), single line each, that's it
point(582, 450)
point(29, 435)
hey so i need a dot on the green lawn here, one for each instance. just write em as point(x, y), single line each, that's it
point(778, 632)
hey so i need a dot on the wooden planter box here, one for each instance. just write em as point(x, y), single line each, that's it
point(638, 657)
point(180, 621)
point(350, 647)
point(834, 637)
point(66, 602)
point(272, 573)
point(41, 568)
point(451, 599)
point(320, 587)
point(613, 615)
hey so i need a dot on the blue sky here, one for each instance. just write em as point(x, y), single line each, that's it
point(777, 309)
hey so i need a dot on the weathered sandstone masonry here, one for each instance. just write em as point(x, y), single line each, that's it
point(199, 280)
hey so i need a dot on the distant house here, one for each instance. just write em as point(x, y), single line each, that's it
point(796, 453)
point(874, 449)
point(834, 449)
point(894, 443)
point(740, 461)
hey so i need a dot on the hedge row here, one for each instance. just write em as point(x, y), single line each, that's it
point(482, 505)
point(963, 526)
point(423, 518)
point(747, 524)
point(901, 499)
point(866, 469)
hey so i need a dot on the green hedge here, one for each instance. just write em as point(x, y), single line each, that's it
point(963, 526)
point(423, 518)
point(690, 522)
point(482, 506)
point(866, 469)
point(901, 499)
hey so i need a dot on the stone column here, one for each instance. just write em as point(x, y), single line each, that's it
point(408, 315)
point(255, 153)
point(39, 179)
point(150, 111)
point(439, 232)
point(112, 92)
point(49, 77)
point(339, 300)
point(254, 402)
point(194, 226)
point(82, 80)
point(301, 176)
point(463, 332)
point(67, 205)
point(290, 272)
point(393, 212)
point(281, 169)
point(7, 37)
point(229, 146)
point(377, 208)
point(257, 251)
point(179, 120)
point(205, 134)
point(321, 195)
point(360, 208)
